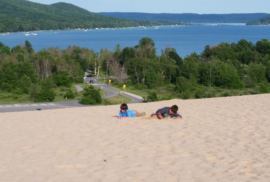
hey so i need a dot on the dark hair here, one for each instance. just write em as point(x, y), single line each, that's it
point(124, 107)
point(174, 108)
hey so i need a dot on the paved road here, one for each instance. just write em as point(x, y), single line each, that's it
point(111, 92)
point(41, 106)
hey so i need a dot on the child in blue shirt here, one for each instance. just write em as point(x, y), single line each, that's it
point(126, 113)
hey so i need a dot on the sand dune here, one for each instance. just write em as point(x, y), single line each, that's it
point(218, 140)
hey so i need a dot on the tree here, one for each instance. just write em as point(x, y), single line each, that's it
point(173, 55)
point(5, 50)
point(257, 72)
point(263, 46)
point(183, 84)
point(146, 41)
point(63, 79)
point(25, 84)
point(190, 69)
point(28, 47)
point(226, 76)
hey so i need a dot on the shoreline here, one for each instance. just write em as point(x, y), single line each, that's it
point(117, 28)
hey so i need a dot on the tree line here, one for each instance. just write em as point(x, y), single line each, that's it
point(19, 16)
point(242, 65)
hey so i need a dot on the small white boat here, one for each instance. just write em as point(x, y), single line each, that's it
point(27, 34)
point(33, 33)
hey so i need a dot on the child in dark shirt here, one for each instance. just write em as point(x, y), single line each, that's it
point(168, 112)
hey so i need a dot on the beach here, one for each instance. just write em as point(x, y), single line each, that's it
point(218, 140)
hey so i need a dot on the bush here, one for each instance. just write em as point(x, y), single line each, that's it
point(166, 98)
point(45, 95)
point(186, 95)
point(18, 91)
point(264, 88)
point(254, 91)
point(226, 94)
point(139, 86)
point(152, 97)
point(183, 84)
point(91, 96)
point(69, 94)
point(209, 95)
point(199, 94)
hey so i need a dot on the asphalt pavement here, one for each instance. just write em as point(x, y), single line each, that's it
point(111, 92)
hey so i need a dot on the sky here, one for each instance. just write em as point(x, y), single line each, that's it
point(170, 6)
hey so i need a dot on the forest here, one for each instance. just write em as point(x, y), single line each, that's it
point(225, 69)
point(22, 15)
point(188, 17)
point(262, 21)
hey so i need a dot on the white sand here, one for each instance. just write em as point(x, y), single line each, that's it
point(218, 140)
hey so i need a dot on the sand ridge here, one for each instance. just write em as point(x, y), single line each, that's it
point(218, 140)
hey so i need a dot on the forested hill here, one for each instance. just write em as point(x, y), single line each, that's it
point(22, 15)
point(189, 17)
point(263, 21)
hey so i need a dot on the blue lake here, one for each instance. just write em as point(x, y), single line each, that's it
point(185, 39)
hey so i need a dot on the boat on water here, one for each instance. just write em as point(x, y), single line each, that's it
point(33, 33)
point(27, 34)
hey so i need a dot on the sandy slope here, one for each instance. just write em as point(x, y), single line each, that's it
point(218, 140)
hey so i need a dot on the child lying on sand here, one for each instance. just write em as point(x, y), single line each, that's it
point(167, 112)
point(126, 113)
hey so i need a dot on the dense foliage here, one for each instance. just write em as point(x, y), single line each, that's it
point(262, 21)
point(91, 96)
point(220, 69)
point(22, 15)
point(241, 66)
point(189, 17)
point(35, 75)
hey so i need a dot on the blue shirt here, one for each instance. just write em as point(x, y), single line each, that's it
point(128, 113)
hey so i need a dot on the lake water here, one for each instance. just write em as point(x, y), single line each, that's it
point(185, 39)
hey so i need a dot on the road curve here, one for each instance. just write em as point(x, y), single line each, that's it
point(111, 92)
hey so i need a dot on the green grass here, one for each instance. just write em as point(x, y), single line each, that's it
point(163, 91)
point(119, 99)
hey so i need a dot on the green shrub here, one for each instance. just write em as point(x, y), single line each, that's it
point(69, 94)
point(166, 98)
point(91, 96)
point(199, 94)
point(226, 94)
point(45, 95)
point(18, 91)
point(209, 95)
point(106, 102)
point(254, 91)
point(264, 88)
point(186, 95)
point(152, 97)
point(139, 86)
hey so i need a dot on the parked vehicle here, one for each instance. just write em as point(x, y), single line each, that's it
point(89, 75)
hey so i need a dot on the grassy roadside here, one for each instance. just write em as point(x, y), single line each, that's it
point(119, 99)
point(168, 91)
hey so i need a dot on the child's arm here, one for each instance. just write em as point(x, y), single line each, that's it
point(177, 116)
point(160, 116)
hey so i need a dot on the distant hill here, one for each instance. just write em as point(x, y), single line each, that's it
point(22, 15)
point(262, 21)
point(189, 17)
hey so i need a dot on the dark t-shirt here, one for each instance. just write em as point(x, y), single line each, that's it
point(165, 112)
